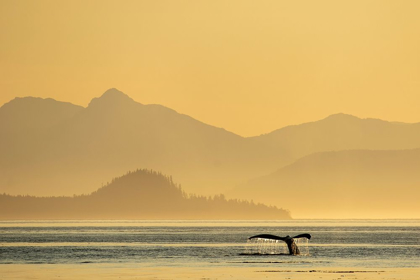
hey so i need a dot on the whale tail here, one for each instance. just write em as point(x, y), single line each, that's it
point(290, 241)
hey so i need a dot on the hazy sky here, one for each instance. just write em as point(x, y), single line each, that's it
point(248, 66)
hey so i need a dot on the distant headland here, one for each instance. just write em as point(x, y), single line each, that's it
point(141, 194)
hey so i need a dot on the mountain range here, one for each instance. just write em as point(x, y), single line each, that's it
point(343, 184)
point(56, 148)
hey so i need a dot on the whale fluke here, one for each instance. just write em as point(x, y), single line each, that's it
point(307, 235)
point(290, 241)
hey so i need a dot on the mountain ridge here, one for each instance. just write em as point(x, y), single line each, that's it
point(30, 111)
point(114, 94)
point(333, 117)
point(352, 182)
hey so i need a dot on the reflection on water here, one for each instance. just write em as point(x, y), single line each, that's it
point(352, 243)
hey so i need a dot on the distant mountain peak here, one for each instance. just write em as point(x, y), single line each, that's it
point(111, 97)
point(114, 93)
point(341, 116)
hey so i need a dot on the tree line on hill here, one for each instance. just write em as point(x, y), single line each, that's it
point(142, 194)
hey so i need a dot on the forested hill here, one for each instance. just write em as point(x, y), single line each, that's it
point(142, 194)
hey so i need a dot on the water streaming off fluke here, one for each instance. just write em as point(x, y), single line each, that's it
point(267, 244)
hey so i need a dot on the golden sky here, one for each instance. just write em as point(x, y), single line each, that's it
point(248, 66)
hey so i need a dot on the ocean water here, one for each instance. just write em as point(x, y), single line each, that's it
point(334, 243)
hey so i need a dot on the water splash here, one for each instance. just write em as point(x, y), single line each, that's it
point(264, 246)
point(303, 245)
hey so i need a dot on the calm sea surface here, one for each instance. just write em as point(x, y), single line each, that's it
point(345, 243)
